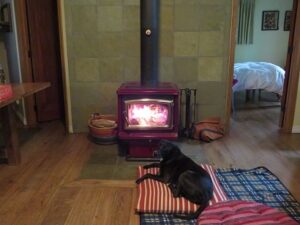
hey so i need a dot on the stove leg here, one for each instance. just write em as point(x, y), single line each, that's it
point(122, 148)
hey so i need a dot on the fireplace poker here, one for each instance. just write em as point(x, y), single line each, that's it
point(187, 130)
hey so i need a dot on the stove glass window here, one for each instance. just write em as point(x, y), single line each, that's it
point(148, 113)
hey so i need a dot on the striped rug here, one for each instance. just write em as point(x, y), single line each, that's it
point(156, 197)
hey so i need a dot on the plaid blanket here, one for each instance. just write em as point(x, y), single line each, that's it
point(257, 184)
point(260, 185)
point(163, 219)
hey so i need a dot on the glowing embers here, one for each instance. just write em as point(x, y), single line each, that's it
point(148, 113)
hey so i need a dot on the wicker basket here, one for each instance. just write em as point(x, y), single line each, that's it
point(109, 128)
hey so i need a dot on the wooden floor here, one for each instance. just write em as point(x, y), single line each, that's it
point(45, 189)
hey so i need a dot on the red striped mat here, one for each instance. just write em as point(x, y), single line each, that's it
point(156, 197)
point(237, 212)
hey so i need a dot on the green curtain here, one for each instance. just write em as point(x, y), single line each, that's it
point(245, 22)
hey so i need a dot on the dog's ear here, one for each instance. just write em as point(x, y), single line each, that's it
point(164, 142)
point(166, 149)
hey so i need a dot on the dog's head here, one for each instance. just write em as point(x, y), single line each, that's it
point(168, 150)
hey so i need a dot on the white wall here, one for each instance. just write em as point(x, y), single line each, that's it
point(269, 46)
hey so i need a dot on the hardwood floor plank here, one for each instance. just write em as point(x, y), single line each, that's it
point(134, 216)
point(85, 206)
point(115, 207)
point(47, 180)
point(122, 200)
point(60, 206)
point(102, 183)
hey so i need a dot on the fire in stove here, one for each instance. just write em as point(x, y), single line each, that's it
point(148, 113)
point(145, 116)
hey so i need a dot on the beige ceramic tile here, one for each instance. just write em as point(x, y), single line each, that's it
point(131, 18)
point(186, 43)
point(131, 41)
point(215, 2)
point(210, 69)
point(211, 43)
point(185, 69)
point(109, 18)
point(132, 68)
point(185, 2)
point(166, 44)
point(211, 18)
point(211, 93)
point(68, 20)
point(93, 97)
point(111, 69)
point(131, 2)
point(86, 69)
point(110, 2)
point(166, 69)
point(108, 98)
point(167, 2)
point(167, 18)
point(83, 46)
point(205, 111)
point(80, 2)
point(84, 19)
point(110, 44)
point(186, 17)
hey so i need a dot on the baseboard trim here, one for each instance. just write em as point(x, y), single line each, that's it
point(296, 129)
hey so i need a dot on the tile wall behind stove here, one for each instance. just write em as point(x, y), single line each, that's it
point(103, 46)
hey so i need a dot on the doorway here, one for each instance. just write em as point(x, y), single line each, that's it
point(37, 23)
point(292, 74)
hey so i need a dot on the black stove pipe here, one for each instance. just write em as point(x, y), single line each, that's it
point(149, 42)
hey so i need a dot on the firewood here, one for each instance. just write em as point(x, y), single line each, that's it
point(103, 123)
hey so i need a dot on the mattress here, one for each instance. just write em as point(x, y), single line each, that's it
point(258, 75)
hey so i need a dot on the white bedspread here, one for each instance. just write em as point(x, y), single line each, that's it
point(258, 75)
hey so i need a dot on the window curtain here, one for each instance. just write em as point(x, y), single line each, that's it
point(245, 22)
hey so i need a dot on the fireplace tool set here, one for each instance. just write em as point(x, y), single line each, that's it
point(188, 109)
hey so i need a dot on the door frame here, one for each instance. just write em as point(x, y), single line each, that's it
point(26, 66)
point(232, 43)
point(64, 64)
point(292, 86)
point(25, 62)
point(291, 95)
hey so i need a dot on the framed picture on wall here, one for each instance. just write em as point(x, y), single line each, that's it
point(287, 20)
point(270, 20)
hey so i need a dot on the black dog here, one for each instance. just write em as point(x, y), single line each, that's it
point(184, 177)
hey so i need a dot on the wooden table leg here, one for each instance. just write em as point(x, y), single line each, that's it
point(10, 136)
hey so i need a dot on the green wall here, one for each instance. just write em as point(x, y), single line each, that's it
point(104, 50)
point(268, 46)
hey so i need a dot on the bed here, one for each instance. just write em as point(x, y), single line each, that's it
point(258, 75)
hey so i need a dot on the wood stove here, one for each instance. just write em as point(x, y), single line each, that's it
point(148, 111)
point(146, 115)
